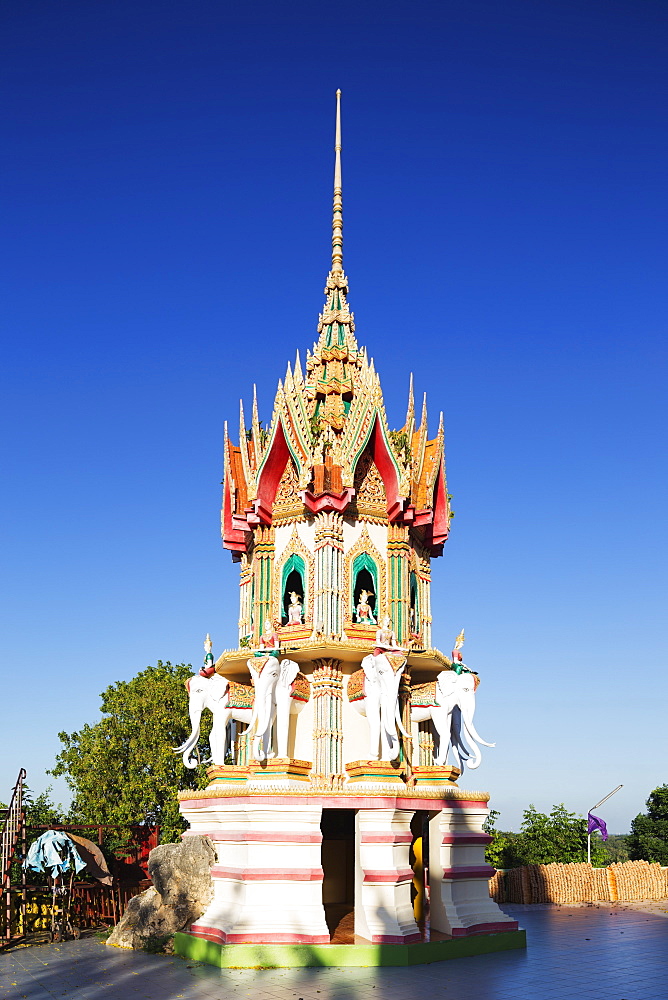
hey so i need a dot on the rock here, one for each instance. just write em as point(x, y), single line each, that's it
point(182, 889)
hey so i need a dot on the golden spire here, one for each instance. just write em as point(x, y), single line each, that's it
point(337, 222)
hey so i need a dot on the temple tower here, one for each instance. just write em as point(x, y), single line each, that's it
point(334, 717)
point(328, 502)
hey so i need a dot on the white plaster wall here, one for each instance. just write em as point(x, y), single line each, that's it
point(282, 535)
point(355, 726)
point(300, 740)
point(377, 534)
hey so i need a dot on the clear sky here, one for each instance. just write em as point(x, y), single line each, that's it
point(166, 187)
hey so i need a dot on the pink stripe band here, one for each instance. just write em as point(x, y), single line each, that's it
point(387, 838)
point(269, 874)
point(474, 871)
point(339, 802)
point(394, 876)
point(219, 937)
point(498, 928)
point(466, 838)
point(396, 939)
point(257, 837)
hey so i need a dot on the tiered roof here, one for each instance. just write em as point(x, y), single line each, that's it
point(324, 419)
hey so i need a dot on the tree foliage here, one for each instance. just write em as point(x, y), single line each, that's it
point(41, 811)
point(123, 767)
point(648, 840)
point(559, 837)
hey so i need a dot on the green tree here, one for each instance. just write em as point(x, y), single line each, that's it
point(560, 837)
point(497, 851)
point(648, 840)
point(123, 767)
point(41, 811)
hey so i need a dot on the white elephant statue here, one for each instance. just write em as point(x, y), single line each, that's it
point(374, 692)
point(449, 702)
point(228, 700)
point(279, 690)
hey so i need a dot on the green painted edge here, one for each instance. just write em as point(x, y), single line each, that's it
point(285, 956)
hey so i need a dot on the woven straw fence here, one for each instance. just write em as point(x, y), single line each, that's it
point(580, 883)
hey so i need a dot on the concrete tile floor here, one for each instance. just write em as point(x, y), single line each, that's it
point(587, 953)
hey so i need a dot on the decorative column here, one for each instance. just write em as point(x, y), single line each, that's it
point(458, 874)
point(397, 584)
point(263, 559)
point(327, 693)
point(383, 877)
point(405, 715)
point(425, 602)
point(245, 603)
point(327, 612)
point(267, 880)
point(426, 744)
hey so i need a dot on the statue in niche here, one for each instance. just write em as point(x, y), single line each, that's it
point(295, 609)
point(363, 611)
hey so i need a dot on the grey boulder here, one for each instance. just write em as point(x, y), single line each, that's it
point(182, 889)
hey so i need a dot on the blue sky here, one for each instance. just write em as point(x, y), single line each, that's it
point(166, 201)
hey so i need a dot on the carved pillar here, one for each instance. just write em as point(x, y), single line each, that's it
point(245, 603)
point(327, 693)
point(397, 584)
point(327, 612)
point(426, 744)
point(425, 602)
point(405, 716)
point(243, 742)
point(263, 560)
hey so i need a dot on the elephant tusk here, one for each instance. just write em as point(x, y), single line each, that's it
point(472, 733)
point(185, 748)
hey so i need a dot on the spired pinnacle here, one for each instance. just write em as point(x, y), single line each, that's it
point(337, 221)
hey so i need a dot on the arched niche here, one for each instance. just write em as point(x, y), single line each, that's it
point(414, 603)
point(365, 577)
point(293, 578)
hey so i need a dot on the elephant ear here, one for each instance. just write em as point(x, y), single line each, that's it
point(218, 690)
point(289, 670)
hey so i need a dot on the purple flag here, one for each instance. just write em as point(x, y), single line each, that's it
point(596, 823)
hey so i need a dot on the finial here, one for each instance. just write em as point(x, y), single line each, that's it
point(410, 412)
point(423, 418)
point(255, 424)
point(337, 221)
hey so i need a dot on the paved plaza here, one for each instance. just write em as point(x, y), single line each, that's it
point(592, 953)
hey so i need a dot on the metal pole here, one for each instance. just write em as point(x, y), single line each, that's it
point(608, 796)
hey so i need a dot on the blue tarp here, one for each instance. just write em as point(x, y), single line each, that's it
point(54, 852)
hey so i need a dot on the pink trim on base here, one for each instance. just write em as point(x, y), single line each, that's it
point(473, 871)
point(368, 801)
point(394, 876)
point(387, 838)
point(414, 938)
point(461, 839)
point(268, 874)
point(256, 836)
point(493, 928)
point(220, 937)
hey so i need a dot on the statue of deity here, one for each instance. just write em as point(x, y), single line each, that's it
point(363, 610)
point(386, 640)
point(269, 644)
point(295, 609)
point(458, 664)
point(208, 669)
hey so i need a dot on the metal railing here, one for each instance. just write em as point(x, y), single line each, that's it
point(13, 841)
